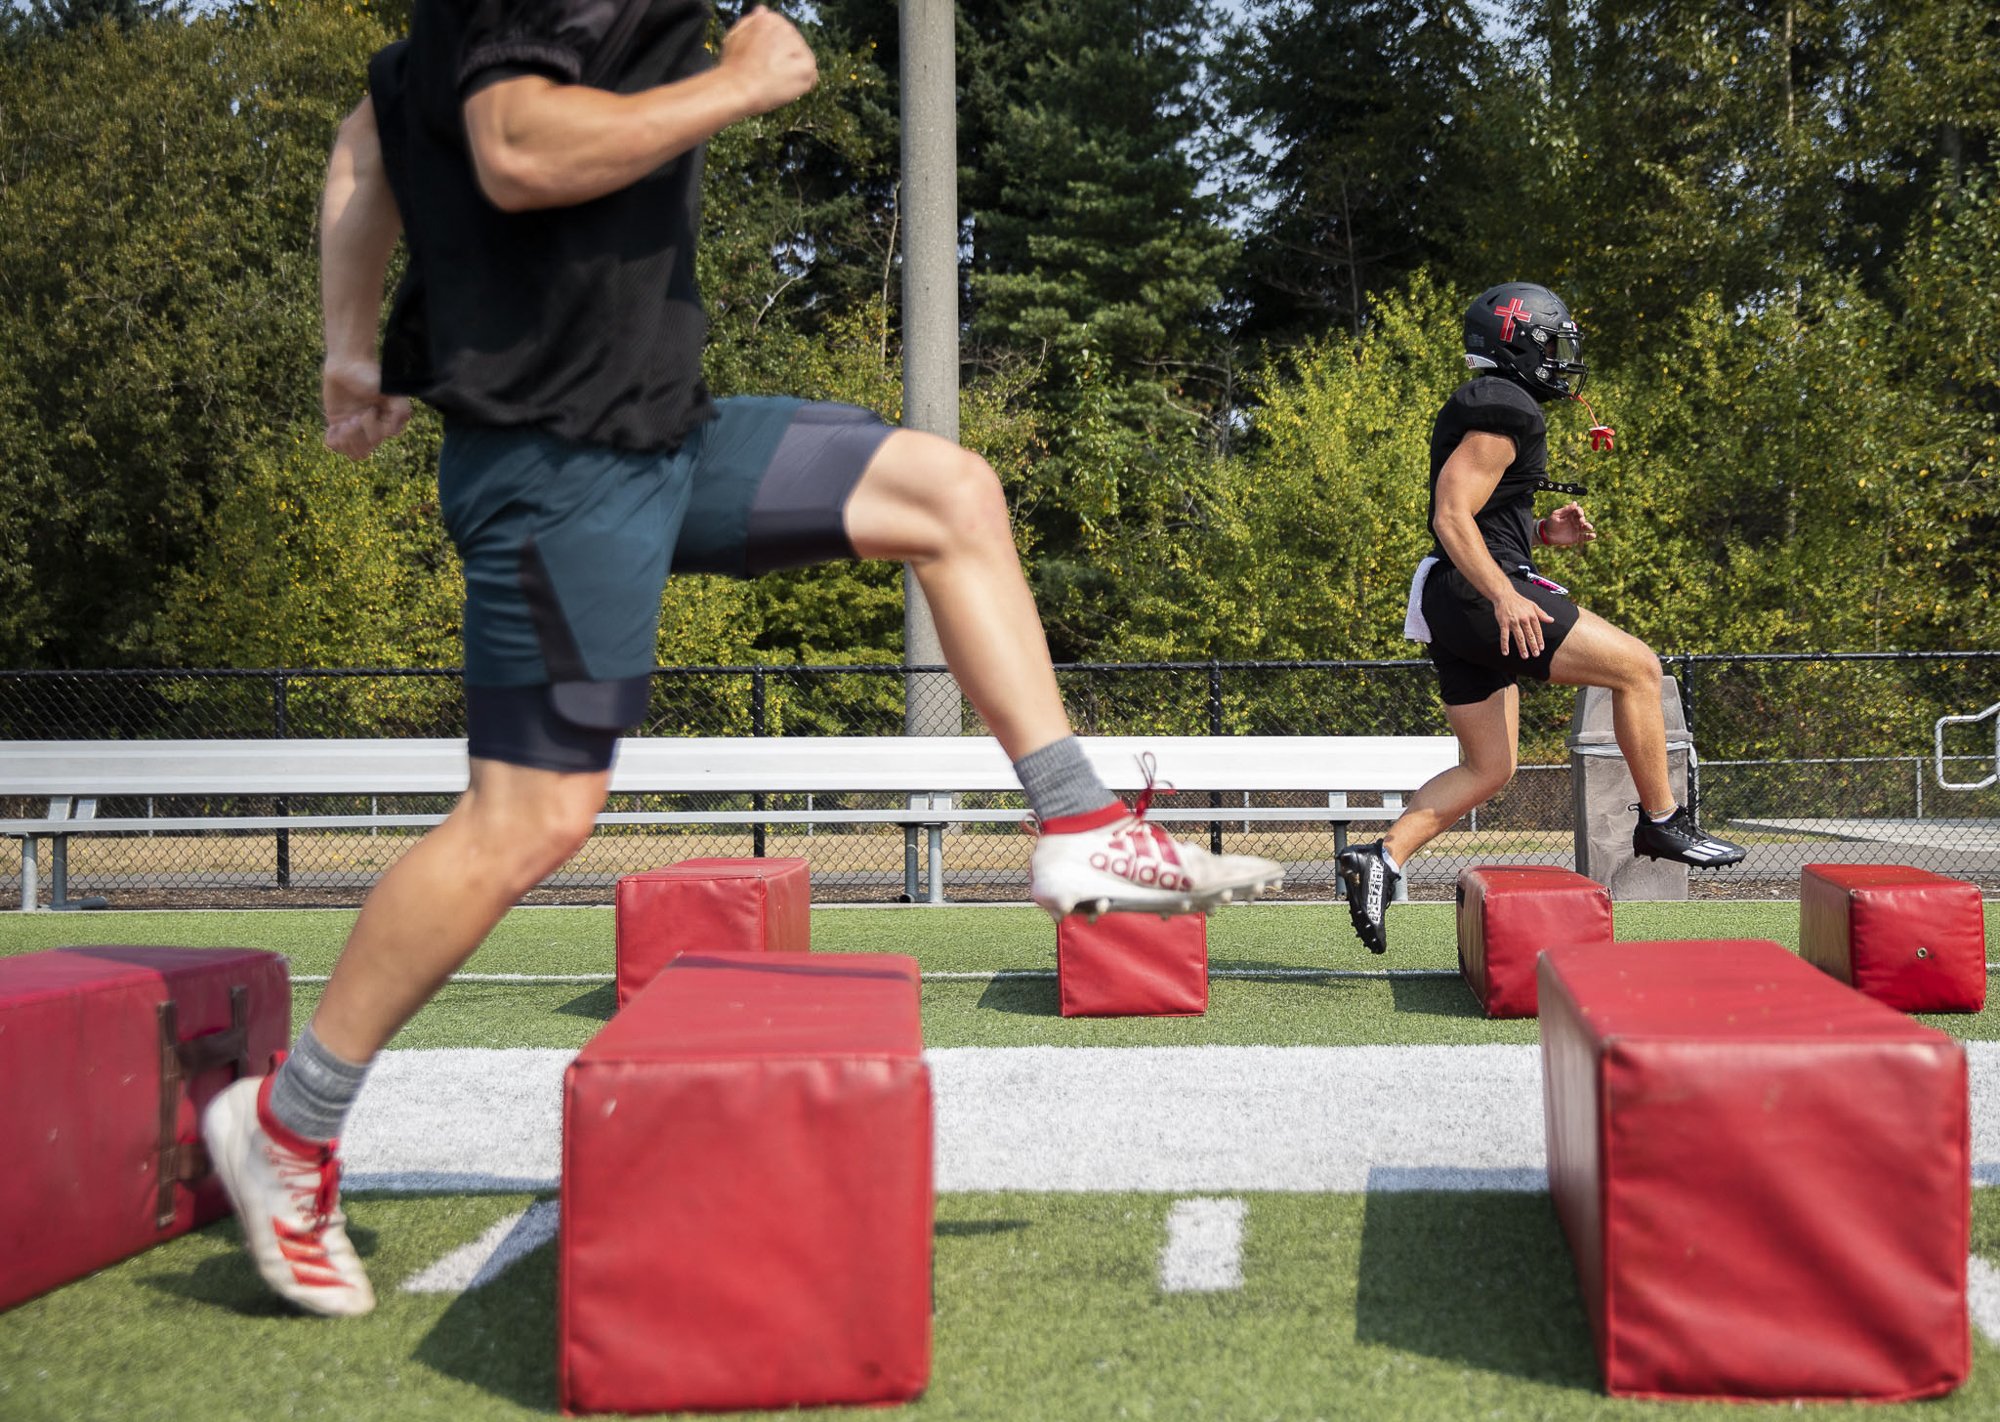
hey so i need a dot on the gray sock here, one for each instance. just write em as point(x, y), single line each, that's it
point(314, 1090)
point(1060, 781)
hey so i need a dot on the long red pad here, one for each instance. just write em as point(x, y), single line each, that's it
point(1764, 1176)
point(95, 1109)
point(746, 1190)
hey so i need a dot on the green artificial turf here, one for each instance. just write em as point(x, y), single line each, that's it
point(1397, 1307)
point(1284, 1011)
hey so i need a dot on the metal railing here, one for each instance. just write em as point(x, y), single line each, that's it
point(1802, 756)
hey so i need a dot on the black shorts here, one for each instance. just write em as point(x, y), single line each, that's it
point(1465, 636)
point(567, 547)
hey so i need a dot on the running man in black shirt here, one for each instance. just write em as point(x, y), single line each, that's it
point(542, 160)
point(1490, 616)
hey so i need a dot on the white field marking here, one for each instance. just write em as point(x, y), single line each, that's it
point(475, 1265)
point(1982, 1289)
point(1204, 1248)
point(1175, 1119)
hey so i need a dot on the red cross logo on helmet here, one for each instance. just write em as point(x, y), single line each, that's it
point(1510, 313)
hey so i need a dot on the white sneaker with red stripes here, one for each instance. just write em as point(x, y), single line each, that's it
point(286, 1191)
point(1115, 860)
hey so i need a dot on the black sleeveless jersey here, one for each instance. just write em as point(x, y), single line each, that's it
point(1497, 406)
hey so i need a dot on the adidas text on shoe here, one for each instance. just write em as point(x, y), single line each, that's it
point(1114, 860)
point(286, 1191)
point(1369, 882)
point(1680, 839)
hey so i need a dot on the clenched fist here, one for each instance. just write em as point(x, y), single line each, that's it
point(769, 60)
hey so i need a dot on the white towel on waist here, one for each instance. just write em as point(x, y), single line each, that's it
point(1414, 626)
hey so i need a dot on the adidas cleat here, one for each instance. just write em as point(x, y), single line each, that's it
point(1680, 839)
point(286, 1191)
point(1114, 860)
point(1369, 882)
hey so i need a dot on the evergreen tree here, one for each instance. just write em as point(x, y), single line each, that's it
point(1359, 125)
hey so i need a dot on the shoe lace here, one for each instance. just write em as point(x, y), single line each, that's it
point(313, 1182)
point(1139, 824)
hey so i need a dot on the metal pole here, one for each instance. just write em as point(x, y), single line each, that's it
point(929, 198)
point(930, 311)
point(757, 729)
point(283, 806)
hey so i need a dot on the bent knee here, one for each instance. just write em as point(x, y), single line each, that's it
point(530, 838)
point(968, 503)
point(1491, 777)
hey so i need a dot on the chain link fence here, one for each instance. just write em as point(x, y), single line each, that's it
point(1802, 758)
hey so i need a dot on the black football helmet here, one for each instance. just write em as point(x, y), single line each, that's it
point(1524, 332)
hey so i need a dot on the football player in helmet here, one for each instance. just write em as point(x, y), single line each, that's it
point(1488, 614)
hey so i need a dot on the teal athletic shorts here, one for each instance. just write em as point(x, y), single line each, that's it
point(567, 548)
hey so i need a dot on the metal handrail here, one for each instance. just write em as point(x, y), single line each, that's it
point(1990, 713)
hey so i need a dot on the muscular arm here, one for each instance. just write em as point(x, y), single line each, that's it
point(536, 143)
point(1464, 484)
point(359, 224)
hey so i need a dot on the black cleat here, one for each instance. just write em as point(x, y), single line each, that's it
point(1369, 880)
point(1681, 840)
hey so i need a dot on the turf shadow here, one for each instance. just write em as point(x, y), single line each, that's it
point(1435, 997)
point(1026, 997)
point(229, 1281)
point(1481, 1278)
point(501, 1338)
point(968, 1229)
point(598, 1004)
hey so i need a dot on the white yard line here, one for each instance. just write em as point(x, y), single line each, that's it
point(1175, 1119)
point(1204, 1248)
point(1982, 1290)
point(479, 1263)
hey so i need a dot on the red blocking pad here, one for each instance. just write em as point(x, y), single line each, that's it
point(107, 1058)
point(709, 906)
point(1907, 937)
point(1132, 965)
point(1764, 1176)
point(746, 1190)
point(1508, 913)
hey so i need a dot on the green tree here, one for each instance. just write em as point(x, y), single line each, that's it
point(1358, 121)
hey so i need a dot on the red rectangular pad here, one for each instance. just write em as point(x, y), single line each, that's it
point(1764, 1176)
point(709, 906)
point(746, 1190)
point(95, 1108)
point(1907, 937)
point(1132, 965)
point(1508, 913)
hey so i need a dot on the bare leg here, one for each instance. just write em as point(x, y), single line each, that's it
point(1597, 654)
point(926, 502)
point(512, 828)
point(1487, 732)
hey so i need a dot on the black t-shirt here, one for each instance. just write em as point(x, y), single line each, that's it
point(1498, 406)
point(583, 321)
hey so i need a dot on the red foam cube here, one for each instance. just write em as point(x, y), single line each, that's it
point(1132, 965)
point(709, 906)
point(1508, 913)
point(108, 1056)
point(1907, 937)
point(746, 1190)
point(1764, 1176)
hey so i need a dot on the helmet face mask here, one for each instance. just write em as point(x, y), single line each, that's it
point(1524, 332)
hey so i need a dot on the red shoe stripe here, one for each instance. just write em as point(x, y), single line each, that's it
point(289, 1235)
point(302, 1253)
point(1089, 820)
point(328, 1280)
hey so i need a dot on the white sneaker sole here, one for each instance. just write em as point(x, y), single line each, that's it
point(1115, 896)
